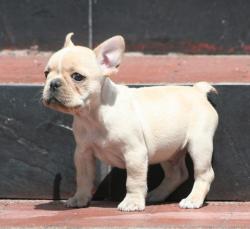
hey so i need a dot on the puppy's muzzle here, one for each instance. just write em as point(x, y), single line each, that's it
point(53, 93)
point(55, 84)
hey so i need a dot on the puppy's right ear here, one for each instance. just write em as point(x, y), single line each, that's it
point(68, 42)
point(109, 54)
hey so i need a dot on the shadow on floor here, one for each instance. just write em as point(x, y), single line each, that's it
point(60, 205)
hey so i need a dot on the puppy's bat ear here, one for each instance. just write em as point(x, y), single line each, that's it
point(109, 54)
point(68, 42)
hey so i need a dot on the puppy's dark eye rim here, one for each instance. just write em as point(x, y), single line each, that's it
point(77, 76)
point(46, 73)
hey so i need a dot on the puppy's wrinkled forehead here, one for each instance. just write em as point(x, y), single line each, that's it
point(75, 58)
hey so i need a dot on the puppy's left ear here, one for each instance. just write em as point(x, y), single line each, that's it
point(68, 42)
point(109, 54)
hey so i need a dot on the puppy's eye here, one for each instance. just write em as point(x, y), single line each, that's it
point(46, 73)
point(77, 76)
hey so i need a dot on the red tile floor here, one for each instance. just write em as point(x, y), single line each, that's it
point(40, 213)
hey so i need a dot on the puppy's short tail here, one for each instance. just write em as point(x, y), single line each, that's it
point(210, 92)
point(205, 87)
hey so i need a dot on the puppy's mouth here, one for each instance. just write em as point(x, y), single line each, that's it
point(57, 104)
point(54, 100)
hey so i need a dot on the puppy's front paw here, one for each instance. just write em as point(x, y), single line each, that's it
point(77, 202)
point(190, 203)
point(132, 203)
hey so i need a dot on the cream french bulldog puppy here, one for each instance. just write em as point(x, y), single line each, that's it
point(130, 128)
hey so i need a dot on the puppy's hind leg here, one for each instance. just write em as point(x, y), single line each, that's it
point(200, 150)
point(175, 174)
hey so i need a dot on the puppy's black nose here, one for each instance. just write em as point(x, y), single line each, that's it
point(55, 83)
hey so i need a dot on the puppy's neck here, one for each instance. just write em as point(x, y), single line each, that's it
point(107, 97)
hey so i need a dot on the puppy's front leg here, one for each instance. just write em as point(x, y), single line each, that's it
point(85, 175)
point(136, 184)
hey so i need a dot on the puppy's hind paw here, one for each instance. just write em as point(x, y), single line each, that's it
point(155, 197)
point(189, 203)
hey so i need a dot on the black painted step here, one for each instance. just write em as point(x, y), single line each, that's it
point(36, 154)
